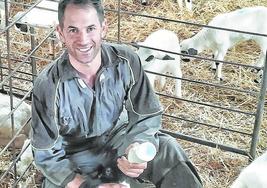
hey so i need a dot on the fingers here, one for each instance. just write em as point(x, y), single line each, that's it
point(112, 185)
point(131, 169)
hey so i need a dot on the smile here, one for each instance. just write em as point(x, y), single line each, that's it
point(84, 49)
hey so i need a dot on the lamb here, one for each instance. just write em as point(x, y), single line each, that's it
point(39, 17)
point(26, 157)
point(162, 62)
point(2, 14)
point(251, 19)
point(21, 115)
point(188, 4)
point(254, 175)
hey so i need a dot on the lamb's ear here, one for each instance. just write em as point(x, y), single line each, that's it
point(150, 58)
point(167, 57)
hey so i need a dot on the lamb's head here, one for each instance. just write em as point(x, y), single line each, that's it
point(20, 26)
point(188, 48)
point(145, 54)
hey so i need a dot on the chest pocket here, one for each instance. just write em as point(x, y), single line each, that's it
point(72, 122)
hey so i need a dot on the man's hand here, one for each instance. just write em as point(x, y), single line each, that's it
point(112, 185)
point(76, 182)
point(131, 169)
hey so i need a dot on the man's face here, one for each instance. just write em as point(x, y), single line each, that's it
point(82, 33)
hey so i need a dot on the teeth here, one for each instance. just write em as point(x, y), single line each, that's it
point(84, 49)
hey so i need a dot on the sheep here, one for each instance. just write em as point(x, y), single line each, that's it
point(251, 19)
point(26, 157)
point(21, 115)
point(188, 4)
point(3, 14)
point(254, 175)
point(161, 62)
point(39, 17)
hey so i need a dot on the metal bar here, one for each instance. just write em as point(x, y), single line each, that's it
point(119, 20)
point(206, 124)
point(210, 105)
point(187, 23)
point(25, 59)
point(253, 93)
point(259, 112)
point(33, 60)
point(205, 142)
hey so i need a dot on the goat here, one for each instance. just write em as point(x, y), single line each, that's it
point(188, 4)
point(254, 175)
point(251, 19)
point(3, 14)
point(21, 115)
point(159, 61)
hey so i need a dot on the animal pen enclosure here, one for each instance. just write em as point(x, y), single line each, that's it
point(227, 115)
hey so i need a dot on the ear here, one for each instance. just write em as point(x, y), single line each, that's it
point(192, 51)
point(167, 57)
point(104, 28)
point(149, 58)
point(60, 33)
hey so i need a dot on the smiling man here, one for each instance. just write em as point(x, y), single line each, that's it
point(92, 105)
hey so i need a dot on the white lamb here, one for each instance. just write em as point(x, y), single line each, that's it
point(254, 175)
point(251, 19)
point(162, 62)
point(39, 17)
point(21, 115)
point(26, 157)
point(2, 14)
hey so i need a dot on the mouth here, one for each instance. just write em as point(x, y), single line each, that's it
point(84, 50)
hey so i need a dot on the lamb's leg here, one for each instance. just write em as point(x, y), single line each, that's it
point(219, 56)
point(180, 3)
point(2, 16)
point(144, 2)
point(152, 78)
point(188, 5)
point(178, 83)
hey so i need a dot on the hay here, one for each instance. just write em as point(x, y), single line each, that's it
point(217, 168)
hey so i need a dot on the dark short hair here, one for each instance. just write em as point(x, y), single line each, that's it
point(96, 4)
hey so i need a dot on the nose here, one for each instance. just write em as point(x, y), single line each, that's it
point(83, 37)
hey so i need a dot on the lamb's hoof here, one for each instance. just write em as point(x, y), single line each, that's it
point(219, 79)
point(213, 69)
point(255, 70)
point(143, 2)
point(256, 81)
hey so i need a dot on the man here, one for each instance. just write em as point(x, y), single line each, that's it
point(92, 105)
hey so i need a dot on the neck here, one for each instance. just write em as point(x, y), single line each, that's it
point(88, 72)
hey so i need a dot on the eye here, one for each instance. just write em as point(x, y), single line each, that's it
point(90, 29)
point(72, 30)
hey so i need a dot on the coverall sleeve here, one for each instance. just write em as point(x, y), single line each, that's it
point(144, 108)
point(49, 155)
